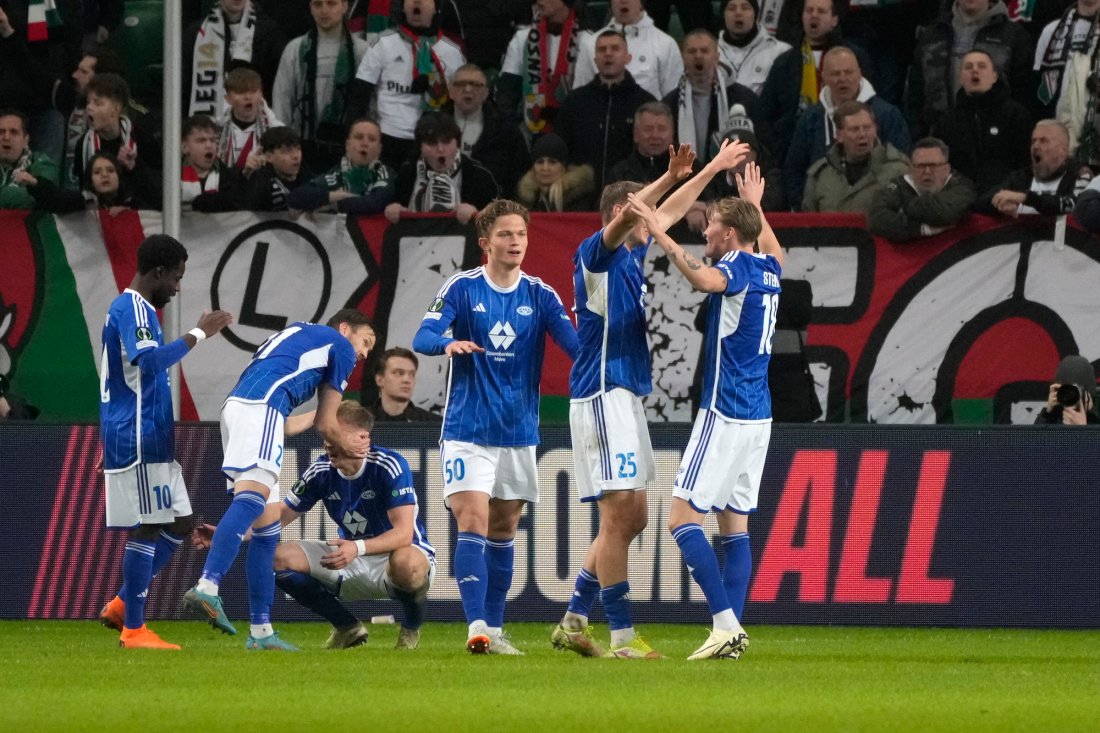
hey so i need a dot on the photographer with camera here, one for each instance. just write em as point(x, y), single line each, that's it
point(1072, 397)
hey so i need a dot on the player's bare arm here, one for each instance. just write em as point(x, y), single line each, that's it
point(403, 519)
point(210, 323)
point(298, 424)
point(750, 186)
point(680, 161)
point(701, 277)
point(676, 205)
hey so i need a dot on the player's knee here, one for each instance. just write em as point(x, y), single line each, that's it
point(408, 568)
point(183, 526)
point(146, 532)
point(282, 556)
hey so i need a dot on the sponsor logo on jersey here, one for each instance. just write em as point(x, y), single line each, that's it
point(354, 522)
point(525, 310)
point(502, 335)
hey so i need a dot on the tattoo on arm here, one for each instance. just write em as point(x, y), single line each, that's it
point(691, 262)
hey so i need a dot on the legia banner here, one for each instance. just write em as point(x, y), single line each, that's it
point(967, 326)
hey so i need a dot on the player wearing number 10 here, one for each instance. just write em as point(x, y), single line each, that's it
point(145, 489)
point(492, 321)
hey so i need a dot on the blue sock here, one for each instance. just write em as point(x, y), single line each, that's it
point(259, 568)
point(167, 544)
point(500, 557)
point(246, 508)
point(584, 594)
point(701, 561)
point(617, 605)
point(737, 570)
point(312, 594)
point(413, 606)
point(471, 574)
point(137, 571)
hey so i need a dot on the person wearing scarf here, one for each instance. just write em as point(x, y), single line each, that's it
point(315, 80)
point(655, 61)
point(206, 183)
point(745, 46)
point(405, 74)
point(20, 168)
point(269, 188)
point(441, 179)
point(247, 120)
point(1076, 32)
point(359, 184)
point(552, 184)
point(234, 31)
point(103, 187)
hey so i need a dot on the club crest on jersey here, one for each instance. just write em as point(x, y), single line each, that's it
point(368, 495)
point(525, 310)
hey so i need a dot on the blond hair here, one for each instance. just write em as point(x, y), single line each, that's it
point(742, 215)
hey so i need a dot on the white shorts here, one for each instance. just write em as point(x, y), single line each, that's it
point(502, 473)
point(611, 447)
point(722, 464)
point(252, 445)
point(365, 578)
point(148, 493)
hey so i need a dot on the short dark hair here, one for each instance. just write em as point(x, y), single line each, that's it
point(243, 79)
point(355, 414)
point(496, 209)
point(198, 122)
point(397, 351)
point(359, 121)
point(935, 143)
point(850, 108)
point(280, 137)
point(160, 250)
point(611, 32)
point(436, 127)
point(111, 86)
point(13, 112)
point(107, 61)
point(350, 316)
point(615, 194)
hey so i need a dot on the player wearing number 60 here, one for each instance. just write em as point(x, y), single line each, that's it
point(724, 458)
point(492, 321)
point(145, 489)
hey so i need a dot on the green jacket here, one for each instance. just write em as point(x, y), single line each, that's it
point(827, 186)
point(898, 212)
point(16, 196)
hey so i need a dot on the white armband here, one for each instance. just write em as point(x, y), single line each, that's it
point(198, 333)
point(362, 546)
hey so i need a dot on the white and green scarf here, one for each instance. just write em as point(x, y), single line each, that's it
point(208, 68)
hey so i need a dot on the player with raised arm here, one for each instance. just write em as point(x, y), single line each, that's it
point(145, 490)
point(612, 453)
point(492, 321)
point(286, 371)
point(724, 458)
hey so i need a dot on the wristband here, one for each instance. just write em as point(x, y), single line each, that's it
point(198, 333)
point(362, 546)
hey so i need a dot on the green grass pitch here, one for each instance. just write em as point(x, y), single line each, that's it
point(70, 676)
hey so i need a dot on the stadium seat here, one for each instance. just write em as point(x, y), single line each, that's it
point(139, 40)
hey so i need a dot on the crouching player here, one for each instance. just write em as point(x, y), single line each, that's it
point(724, 458)
point(382, 551)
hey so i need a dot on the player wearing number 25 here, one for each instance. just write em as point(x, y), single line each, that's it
point(492, 321)
point(145, 490)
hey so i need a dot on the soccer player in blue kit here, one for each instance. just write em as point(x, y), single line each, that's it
point(145, 490)
point(724, 458)
point(612, 453)
point(286, 371)
point(492, 321)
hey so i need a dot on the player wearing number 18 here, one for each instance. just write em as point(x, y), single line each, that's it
point(724, 458)
point(492, 321)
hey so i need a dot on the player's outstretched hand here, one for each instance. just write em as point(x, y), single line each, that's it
point(202, 535)
point(730, 154)
point(750, 184)
point(343, 552)
point(213, 321)
point(645, 212)
point(462, 347)
point(680, 161)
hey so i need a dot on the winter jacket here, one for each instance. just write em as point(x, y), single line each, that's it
point(899, 213)
point(735, 94)
point(20, 196)
point(749, 65)
point(268, 43)
point(827, 187)
point(1061, 201)
point(989, 135)
point(655, 59)
point(478, 185)
point(500, 148)
point(578, 187)
point(1087, 208)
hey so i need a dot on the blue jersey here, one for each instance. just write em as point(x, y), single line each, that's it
point(738, 341)
point(611, 320)
point(135, 404)
point(286, 370)
point(360, 504)
point(493, 397)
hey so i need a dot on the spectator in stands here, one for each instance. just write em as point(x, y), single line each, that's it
point(552, 184)
point(855, 167)
point(405, 73)
point(655, 61)
point(1065, 41)
point(814, 132)
point(270, 186)
point(701, 105)
point(111, 131)
point(540, 64)
point(1049, 186)
point(395, 376)
point(971, 24)
point(774, 199)
point(206, 183)
point(360, 184)
point(20, 167)
point(488, 135)
point(233, 31)
point(987, 131)
point(745, 45)
point(654, 134)
point(103, 187)
point(1080, 98)
point(314, 83)
point(795, 79)
point(248, 118)
point(70, 98)
point(1062, 408)
point(597, 120)
point(930, 199)
point(441, 178)
point(1087, 208)
point(24, 81)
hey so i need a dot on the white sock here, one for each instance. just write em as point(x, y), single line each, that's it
point(574, 621)
point(619, 637)
point(494, 630)
point(205, 585)
point(477, 627)
point(725, 621)
point(260, 631)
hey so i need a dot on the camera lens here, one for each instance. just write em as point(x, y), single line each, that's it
point(1068, 395)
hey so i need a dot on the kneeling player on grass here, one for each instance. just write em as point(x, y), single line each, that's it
point(724, 458)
